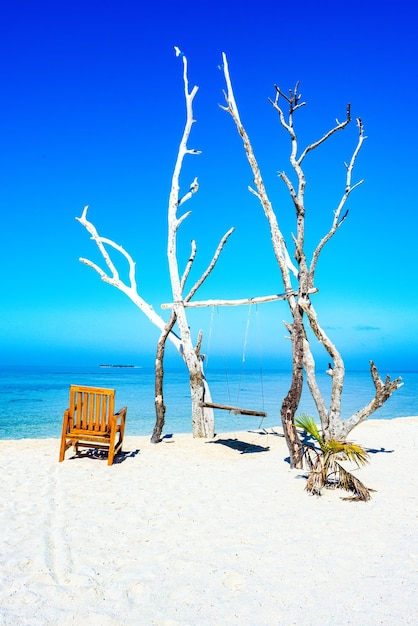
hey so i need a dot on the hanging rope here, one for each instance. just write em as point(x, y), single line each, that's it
point(225, 362)
point(260, 359)
point(247, 327)
point(260, 354)
point(219, 326)
point(244, 350)
point(209, 341)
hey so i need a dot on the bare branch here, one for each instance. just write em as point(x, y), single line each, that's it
point(289, 185)
point(210, 266)
point(253, 191)
point(105, 277)
point(97, 239)
point(198, 346)
point(181, 219)
point(338, 369)
point(114, 279)
point(383, 391)
point(309, 365)
point(189, 264)
point(127, 256)
point(193, 189)
point(294, 103)
point(339, 126)
point(282, 118)
point(174, 200)
point(338, 220)
point(101, 242)
point(279, 244)
point(229, 94)
point(297, 197)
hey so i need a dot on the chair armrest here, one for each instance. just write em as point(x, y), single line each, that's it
point(121, 414)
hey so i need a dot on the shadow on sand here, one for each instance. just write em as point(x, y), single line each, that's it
point(241, 446)
point(101, 455)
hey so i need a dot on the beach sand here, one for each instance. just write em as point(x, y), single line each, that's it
point(197, 532)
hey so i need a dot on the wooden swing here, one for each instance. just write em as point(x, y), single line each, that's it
point(235, 410)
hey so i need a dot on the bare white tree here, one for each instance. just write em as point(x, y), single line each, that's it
point(202, 415)
point(333, 424)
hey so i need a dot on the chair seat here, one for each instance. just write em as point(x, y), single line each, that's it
point(86, 435)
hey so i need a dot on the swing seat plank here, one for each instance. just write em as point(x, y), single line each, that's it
point(233, 409)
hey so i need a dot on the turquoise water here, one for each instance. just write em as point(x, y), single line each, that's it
point(33, 399)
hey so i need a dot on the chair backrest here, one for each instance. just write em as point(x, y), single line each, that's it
point(91, 407)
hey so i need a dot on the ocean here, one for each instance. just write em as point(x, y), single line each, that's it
point(33, 399)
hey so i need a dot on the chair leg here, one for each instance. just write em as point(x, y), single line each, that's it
point(111, 453)
point(62, 449)
point(64, 436)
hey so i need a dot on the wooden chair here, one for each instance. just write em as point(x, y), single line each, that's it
point(90, 422)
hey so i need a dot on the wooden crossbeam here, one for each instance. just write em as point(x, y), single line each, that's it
point(241, 302)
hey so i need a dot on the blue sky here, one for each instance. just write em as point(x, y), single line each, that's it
point(92, 111)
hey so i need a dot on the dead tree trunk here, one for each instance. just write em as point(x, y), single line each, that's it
point(198, 386)
point(291, 401)
point(160, 407)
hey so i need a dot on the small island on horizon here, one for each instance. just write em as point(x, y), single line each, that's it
point(106, 365)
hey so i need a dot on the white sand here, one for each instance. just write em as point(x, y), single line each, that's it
point(196, 533)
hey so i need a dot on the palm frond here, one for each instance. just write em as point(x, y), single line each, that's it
point(348, 482)
point(317, 477)
point(347, 450)
point(308, 423)
point(325, 470)
point(332, 446)
point(356, 453)
point(310, 456)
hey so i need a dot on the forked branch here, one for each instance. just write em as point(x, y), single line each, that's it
point(113, 278)
point(335, 129)
point(383, 391)
point(338, 217)
point(210, 266)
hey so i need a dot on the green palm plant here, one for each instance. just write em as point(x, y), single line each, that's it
point(324, 464)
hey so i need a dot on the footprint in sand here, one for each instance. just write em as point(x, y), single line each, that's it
point(234, 581)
